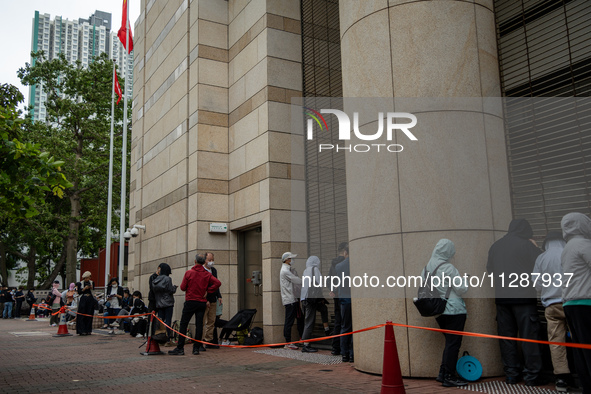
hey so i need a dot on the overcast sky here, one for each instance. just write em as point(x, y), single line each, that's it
point(17, 26)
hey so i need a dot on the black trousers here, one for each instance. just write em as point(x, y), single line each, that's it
point(521, 320)
point(336, 342)
point(579, 321)
point(346, 326)
point(293, 312)
point(452, 342)
point(191, 308)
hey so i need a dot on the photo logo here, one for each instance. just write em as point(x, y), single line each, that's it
point(345, 130)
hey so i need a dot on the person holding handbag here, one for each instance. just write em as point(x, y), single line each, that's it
point(164, 296)
point(454, 315)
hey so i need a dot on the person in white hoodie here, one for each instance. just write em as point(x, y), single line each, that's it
point(290, 288)
point(547, 268)
point(576, 293)
point(312, 300)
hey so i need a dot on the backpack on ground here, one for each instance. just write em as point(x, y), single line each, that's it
point(428, 301)
point(255, 337)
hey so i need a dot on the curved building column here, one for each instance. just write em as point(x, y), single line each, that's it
point(451, 183)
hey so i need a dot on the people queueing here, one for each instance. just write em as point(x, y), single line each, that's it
point(113, 297)
point(576, 296)
point(344, 294)
point(164, 296)
point(212, 300)
point(19, 297)
point(512, 256)
point(31, 299)
point(290, 284)
point(8, 301)
point(55, 301)
point(196, 283)
point(336, 342)
point(548, 265)
point(454, 315)
point(86, 304)
point(312, 300)
point(70, 299)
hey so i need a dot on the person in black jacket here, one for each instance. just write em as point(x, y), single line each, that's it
point(336, 342)
point(31, 299)
point(151, 296)
point(212, 299)
point(164, 297)
point(510, 260)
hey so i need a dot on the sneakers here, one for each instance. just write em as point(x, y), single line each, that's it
point(309, 349)
point(195, 351)
point(54, 325)
point(345, 359)
point(453, 381)
point(177, 352)
point(561, 386)
point(169, 344)
point(226, 342)
point(291, 346)
point(139, 336)
point(115, 324)
point(336, 352)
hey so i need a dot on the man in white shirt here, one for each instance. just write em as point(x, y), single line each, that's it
point(290, 288)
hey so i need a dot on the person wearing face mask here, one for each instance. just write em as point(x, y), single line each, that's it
point(212, 299)
point(164, 296)
point(55, 301)
point(114, 295)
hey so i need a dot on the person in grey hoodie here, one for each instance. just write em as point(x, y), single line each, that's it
point(164, 296)
point(454, 315)
point(546, 270)
point(312, 300)
point(576, 293)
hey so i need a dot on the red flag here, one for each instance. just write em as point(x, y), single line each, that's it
point(118, 89)
point(123, 30)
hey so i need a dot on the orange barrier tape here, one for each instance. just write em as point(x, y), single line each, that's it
point(272, 344)
point(478, 335)
point(444, 331)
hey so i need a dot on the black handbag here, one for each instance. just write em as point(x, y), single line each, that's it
point(428, 301)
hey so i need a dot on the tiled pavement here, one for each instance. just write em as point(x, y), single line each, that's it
point(33, 361)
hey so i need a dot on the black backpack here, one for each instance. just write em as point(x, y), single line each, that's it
point(428, 301)
point(255, 337)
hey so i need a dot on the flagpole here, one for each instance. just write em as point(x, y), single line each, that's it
point(110, 197)
point(124, 149)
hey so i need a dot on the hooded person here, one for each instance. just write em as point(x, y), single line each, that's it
point(576, 289)
point(512, 258)
point(164, 296)
point(547, 268)
point(312, 300)
point(454, 315)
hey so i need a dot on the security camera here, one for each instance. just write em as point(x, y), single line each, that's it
point(127, 234)
point(134, 232)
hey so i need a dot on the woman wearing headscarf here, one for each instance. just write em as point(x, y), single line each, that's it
point(454, 315)
point(55, 302)
point(86, 304)
point(576, 289)
point(164, 295)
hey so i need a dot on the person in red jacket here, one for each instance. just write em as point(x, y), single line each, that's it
point(196, 283)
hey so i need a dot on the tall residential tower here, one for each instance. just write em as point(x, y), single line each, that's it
point(79, 40)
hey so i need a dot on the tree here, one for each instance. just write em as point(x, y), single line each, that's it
point(78, 109)
point(27, 174)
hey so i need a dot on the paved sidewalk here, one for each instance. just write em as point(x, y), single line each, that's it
point(33, 361)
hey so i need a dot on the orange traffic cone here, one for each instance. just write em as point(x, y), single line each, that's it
point(391, 373)
point(152, 348)
point(62, 330)
point(33, 313)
